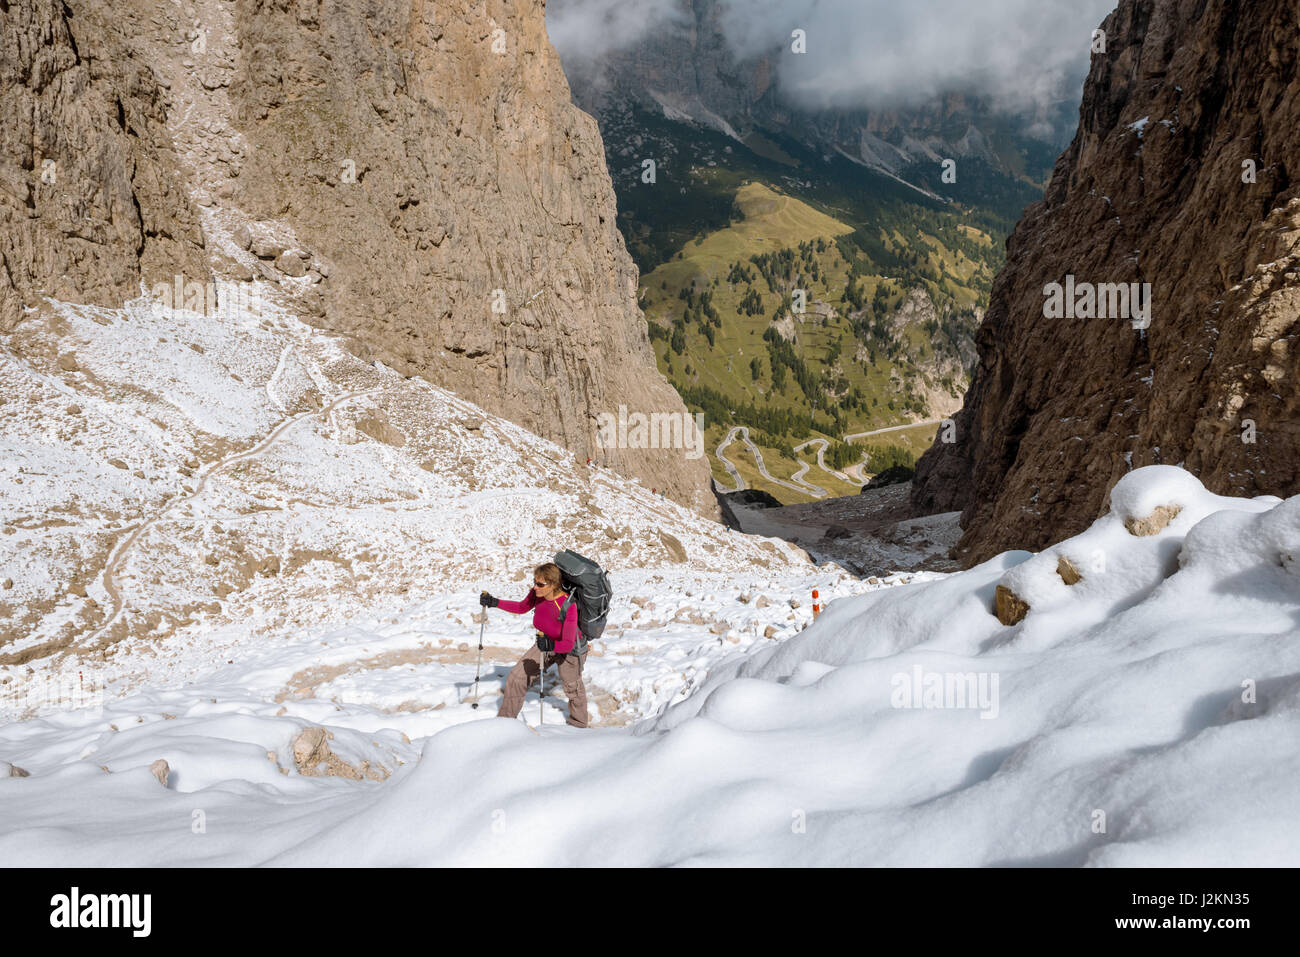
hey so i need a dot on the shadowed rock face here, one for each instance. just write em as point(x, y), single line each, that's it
point(1150, 191)
point(404, 167)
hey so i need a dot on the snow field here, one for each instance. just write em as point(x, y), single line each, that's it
point(1148, 718)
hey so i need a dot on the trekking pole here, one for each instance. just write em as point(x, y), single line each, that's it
point(478, 667)
point(541, 692)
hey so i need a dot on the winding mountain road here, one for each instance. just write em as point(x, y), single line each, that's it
point(892, 428)
point(804, 488)
point(797, 483)
point(798, 476)
point(731, 469)
point(822, 446)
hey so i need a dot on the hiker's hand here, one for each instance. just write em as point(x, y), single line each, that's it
point(486, 600)
point(544, 643)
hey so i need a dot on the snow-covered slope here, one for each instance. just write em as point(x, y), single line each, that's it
point(1148, 713)
point(173, 482)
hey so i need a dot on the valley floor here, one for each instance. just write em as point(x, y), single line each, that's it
point(870, 534)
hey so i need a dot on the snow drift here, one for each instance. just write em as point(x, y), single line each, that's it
point(1145, 713)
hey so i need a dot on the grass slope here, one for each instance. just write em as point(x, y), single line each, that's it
point(895, 281)
point(711, 306)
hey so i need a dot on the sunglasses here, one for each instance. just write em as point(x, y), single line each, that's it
point(539, 584)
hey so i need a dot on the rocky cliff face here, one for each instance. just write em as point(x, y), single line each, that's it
point(89, 192)
point(1181, 175)
point(409, 175)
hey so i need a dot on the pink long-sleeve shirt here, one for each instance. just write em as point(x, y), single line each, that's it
point(546, 618)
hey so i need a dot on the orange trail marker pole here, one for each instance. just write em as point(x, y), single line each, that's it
point(817, 609)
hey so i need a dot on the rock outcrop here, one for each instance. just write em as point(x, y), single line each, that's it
point(411, 176)
point(315, 758)
point(1181, 175)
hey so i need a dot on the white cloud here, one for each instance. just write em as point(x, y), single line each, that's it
point(585, 31)
point(1024, 55)
point(1020, 53)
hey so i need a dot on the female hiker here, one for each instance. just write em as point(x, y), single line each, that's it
point(554, 645)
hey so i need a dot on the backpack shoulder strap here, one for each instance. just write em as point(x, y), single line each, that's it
point(564, 609)
point(580, 643)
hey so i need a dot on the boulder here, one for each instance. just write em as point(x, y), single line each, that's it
point(314, 758)
point(1154, 523)
point(676, 551)
point(291, 264)
point(1069, 574)
point(265, 247)
point(894, 475)
point(310, 749)
point(1009, 608)
point(161, 771)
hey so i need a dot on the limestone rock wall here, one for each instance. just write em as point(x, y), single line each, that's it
point(90, 200)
